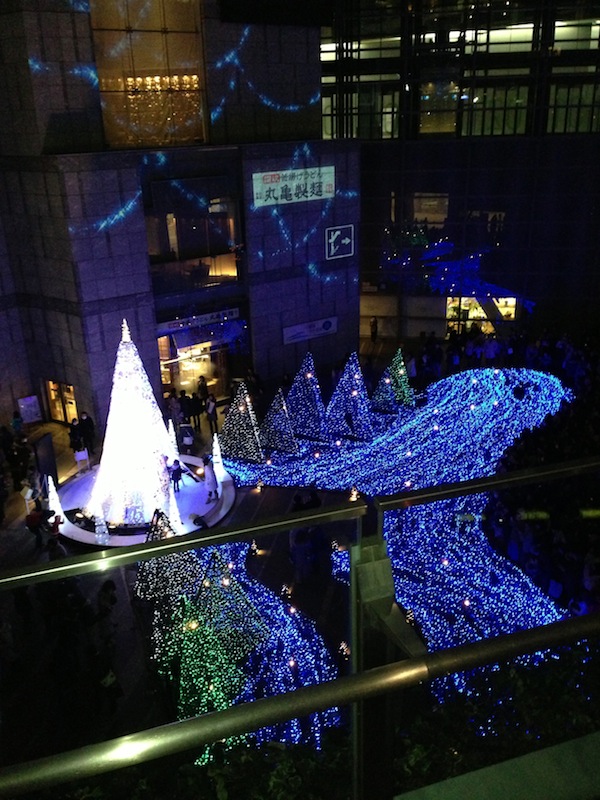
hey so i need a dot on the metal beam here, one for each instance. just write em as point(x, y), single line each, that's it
point(100, 561)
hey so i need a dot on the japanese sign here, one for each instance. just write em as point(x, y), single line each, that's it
point(293, 186)
point(339, 242)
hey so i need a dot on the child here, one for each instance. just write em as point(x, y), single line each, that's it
point(176, 475)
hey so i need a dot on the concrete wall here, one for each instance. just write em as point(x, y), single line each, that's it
point(48, 84)
point(107, 235)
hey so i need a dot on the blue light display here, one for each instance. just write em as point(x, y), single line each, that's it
point(108, 221)
point(80, 5)
point(233, 60)
point(445, 572)
point(87, 72)
point(37, 66)
point(348, 413)
point(288, 653)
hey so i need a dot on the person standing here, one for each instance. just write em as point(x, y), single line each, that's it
point(202, 390)
point(196, 408)
point(17, 423)
point(373, 325)
point(176, 475)
point(185, 405)
point(210, 480)
point(35, 523)
point(75, 436)
point(88, 432)
point(211, 413)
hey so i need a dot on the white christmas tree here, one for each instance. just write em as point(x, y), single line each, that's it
point(54, 500)
point(132, 480)
point(173, 435)
point(348, 413)
point(305, 404)
point(217, 460)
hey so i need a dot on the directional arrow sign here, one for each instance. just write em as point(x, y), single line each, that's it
point(339, 242)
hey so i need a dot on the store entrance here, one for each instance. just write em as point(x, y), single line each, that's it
point(215, 350)
point(62, 406)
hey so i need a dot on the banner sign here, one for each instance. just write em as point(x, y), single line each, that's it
point(293, 186)
point(310, 330)
point(202, 319)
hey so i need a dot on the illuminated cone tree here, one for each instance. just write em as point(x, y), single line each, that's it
point(349, 413)
point(384, 400)
point(276, 432)
point(166, 578)
point(132, 479)
point(399, 375)
point(209, 639)
point(305, 404)
point(239, 437)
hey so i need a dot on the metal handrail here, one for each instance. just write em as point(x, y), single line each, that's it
point(129, 554)
point(100, 561)
point(507, 480)
point(178, 737)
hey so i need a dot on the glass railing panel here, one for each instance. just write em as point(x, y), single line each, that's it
point(475, 567)
point(117, 651)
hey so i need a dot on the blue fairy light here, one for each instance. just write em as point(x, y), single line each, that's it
point(445, 571)
point(232, 59)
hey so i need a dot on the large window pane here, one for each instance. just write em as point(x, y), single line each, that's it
point(150, 74)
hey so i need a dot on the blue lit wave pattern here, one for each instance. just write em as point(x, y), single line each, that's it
point(445, 572)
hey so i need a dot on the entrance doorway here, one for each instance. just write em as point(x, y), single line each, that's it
point(61, 401)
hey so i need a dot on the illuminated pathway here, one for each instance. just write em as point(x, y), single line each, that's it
point(445, 571)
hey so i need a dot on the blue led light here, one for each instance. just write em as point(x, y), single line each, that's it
point(445, 571)
point(114, 218)
point(279, 648)
point(233, 60)
point(35, 65)
point(87, 72)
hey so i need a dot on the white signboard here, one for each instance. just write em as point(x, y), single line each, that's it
point(310, 330)
point(293, 186)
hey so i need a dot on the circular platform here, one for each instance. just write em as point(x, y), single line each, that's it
point(192, 502)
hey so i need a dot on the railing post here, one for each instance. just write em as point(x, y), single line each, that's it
point(372, 722)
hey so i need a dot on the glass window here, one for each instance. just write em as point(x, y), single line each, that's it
point(62, 406)
point(494, 111)
point(574, 109)
point(149, 58)
point(439, 103)
point(576, 34)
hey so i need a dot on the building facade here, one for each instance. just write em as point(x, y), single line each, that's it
point(229, 176)
point(163, 163)
point(479, 122)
